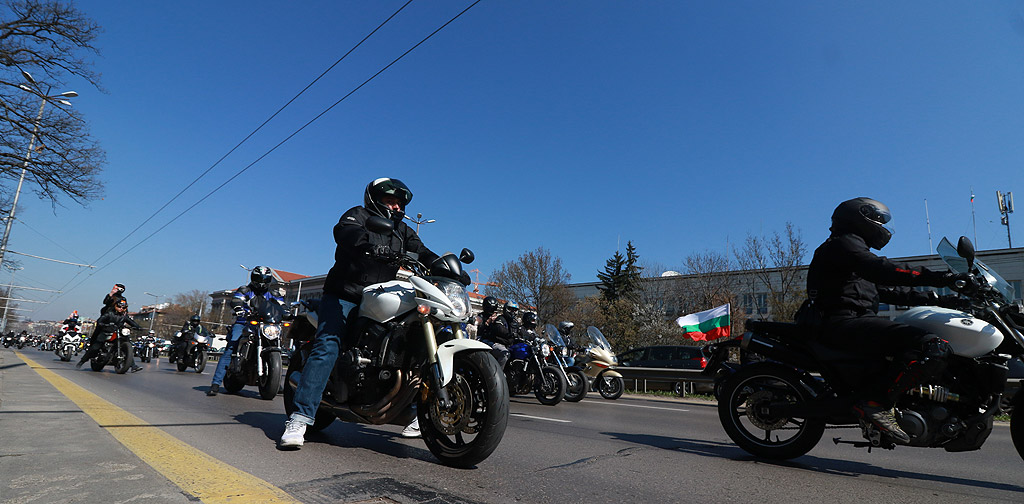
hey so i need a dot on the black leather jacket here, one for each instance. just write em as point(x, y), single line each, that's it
point(846, 279)
point(112, 321)
point(354, 268)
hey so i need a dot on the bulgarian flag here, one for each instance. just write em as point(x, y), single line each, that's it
point(707, 325)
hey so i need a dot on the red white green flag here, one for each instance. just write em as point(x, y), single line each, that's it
point(707, 325)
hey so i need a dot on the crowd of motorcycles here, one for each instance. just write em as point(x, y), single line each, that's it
point(407, 357)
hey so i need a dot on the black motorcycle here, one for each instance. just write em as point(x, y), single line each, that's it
point(117, 351)
point(191, 352)
point(257, 360)
point(779, 408)
point(563, 357)
point(147, 349)
point(526, 371)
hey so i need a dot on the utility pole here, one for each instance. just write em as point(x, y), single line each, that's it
point(1005, 202)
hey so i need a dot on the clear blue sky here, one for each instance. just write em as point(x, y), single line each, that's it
point(682, 126)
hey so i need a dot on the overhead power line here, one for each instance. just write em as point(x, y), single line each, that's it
point(267, 153)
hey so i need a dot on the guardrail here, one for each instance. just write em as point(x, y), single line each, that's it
point(642, 376)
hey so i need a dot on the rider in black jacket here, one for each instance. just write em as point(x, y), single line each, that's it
point(362, 258)
point(116, 294)
point(108, 323)
point(846, 282)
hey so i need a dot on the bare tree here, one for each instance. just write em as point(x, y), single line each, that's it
point(42, 43)
point(774, 267)
point(536, 279)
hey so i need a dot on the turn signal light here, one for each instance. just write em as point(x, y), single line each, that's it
point(423, 309)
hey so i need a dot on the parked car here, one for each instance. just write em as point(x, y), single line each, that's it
point(669, 356)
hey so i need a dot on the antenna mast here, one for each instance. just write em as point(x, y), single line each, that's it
point(928, 223)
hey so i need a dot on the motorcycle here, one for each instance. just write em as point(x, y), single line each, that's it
point(8, 341)
point(147, 349)
point(191, 354)
point(779, 408)
point(69, 343)
point(22, 341)
point(405, 356)
point(598, 362)
point(576, 385)
point(257, 359)
point(117, 351)
point(527, 371)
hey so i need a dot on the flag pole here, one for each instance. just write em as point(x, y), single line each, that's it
point(974, 221)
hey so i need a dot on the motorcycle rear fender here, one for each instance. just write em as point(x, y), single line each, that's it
point(446, 355)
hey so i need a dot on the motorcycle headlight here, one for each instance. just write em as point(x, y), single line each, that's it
point(545, 350)
point(457, 295)
point(272, 331)
point(126, 332)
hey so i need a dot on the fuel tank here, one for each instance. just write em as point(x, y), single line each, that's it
point(968, 336)
point(385, 301)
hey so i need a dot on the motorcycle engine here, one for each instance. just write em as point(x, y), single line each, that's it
point(369, 363)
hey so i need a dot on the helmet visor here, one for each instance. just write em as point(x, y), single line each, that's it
point(876, 214)
point(393, 187)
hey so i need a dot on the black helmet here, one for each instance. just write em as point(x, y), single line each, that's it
point(381, 187)
point(490, 304)
point(866, 218)
point(261, 277)
point(565, 327)
point(511, 308)
point(529, 319)
point(121, 304)
point(194, 319)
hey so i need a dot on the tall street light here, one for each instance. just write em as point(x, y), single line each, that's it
point(419, 220)
point(153, 313)
point(44, 97)
point(10, 289)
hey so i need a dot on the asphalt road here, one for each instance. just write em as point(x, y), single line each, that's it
point(635, 449)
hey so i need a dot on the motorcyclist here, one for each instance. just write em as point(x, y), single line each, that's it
point(362, 258)
point(510, 317)
point(528, 327)
point(116, 294)
point(846, 282)
point(565, 328)
point(110, 322)
point(71, 323)
point(184, 336)
point(494, 333)
point(259, 286)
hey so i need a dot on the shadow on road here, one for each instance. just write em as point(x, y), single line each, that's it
point(343, 435)
point(807, 462)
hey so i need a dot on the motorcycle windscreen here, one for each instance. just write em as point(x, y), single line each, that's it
point(947, 252)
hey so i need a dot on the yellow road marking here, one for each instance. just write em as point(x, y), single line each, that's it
point(193, 471)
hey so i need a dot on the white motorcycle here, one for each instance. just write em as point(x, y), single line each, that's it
point(406, 355)
point(69, 343)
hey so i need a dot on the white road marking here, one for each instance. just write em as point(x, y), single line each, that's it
point(638, 406)
point(520, 415)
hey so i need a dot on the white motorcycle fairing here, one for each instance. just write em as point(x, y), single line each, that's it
point(385, 301)
point(446, 355)
point(967, 336)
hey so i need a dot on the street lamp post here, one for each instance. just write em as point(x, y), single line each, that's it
point(3, 324)
point(31, 145)
point(152, 314)
point(419, 220)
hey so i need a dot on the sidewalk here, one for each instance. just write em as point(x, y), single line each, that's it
point(52, 452)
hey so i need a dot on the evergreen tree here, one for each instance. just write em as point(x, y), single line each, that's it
point(621, 275)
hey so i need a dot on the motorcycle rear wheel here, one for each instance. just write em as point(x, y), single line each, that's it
point(575, 386)
point(550, 386)
point(740, 409)
point(467, 433)
point(97, 363)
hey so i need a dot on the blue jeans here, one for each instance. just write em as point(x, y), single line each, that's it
point(229, 350)
point(317, 369)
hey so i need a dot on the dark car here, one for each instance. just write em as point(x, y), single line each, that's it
point(669, 356)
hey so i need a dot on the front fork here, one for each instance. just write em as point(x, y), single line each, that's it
point(430, 341)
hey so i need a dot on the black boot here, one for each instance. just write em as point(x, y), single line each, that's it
point(213, 390)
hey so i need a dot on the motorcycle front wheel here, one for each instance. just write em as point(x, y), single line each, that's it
point(575, 386)
point(469, 431)
point(744, 412)
point(610, 387)
point(550, 386)
point(122, 367)
point(200, 361)
point(270, 382)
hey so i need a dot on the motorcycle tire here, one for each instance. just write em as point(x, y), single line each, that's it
point(233, 383)
point(323, 418)
point(270, 382)
point(1017, 423)
point(576, 386)
point(550, 388)
point(467, 433)
point(200, 361)
point(610, 387)
point(741, 413)
point(182, 366)
point(97, 363)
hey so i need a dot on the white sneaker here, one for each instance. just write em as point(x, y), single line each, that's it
point(412, 430)
point(294, 434)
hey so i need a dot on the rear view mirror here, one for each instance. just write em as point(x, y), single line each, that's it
point(379, 225)
point(466, 256)
point(965, 249)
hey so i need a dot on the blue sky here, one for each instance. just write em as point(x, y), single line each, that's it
point(576, 126)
